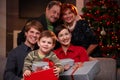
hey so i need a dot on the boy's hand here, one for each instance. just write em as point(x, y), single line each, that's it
point(56, 71)
point(27, 73)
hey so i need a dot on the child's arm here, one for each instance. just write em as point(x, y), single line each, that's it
point(27, 64)
point(57, 63)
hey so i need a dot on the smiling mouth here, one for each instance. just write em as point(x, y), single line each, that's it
point(65, 41)
point(45, 47)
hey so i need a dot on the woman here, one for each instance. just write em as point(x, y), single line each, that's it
point(82, 35)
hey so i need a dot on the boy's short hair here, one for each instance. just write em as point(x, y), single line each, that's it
point(34, 24)
point(48, 33)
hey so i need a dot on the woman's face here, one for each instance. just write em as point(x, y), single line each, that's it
point(64, 37)
point(68, 16)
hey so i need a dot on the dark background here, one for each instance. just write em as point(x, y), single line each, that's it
point(34, 8)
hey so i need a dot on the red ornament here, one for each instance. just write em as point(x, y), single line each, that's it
point(113, 37)
point(101, 43)
point(97, 12)
point(108, 23)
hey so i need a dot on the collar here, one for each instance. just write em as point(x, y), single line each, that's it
point(70, 49)
point(27, 48)
point(48, 22)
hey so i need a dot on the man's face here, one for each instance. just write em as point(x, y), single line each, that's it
point(53, 13)
point(32, 36)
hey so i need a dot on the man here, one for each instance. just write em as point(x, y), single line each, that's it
point(15, 59)
point(49, 19)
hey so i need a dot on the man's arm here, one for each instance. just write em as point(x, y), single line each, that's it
point(10, 69)
point(91, 48)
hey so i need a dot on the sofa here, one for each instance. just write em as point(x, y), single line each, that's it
point(108, 69)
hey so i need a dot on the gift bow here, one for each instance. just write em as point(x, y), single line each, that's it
point(51, 63)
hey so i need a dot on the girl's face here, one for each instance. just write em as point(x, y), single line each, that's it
point(45, 44)
point(68, 16)
point(64, 37)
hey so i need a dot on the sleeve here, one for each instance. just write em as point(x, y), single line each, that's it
point(28, 62)
point(56, 60)
point(83, 54)
point(10, 69)
point(89, 33)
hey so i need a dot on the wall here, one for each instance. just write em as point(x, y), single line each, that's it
point(2, 36)
point(2, 27)
point(13, 22)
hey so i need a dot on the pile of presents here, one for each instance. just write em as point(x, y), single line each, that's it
point(42, 71)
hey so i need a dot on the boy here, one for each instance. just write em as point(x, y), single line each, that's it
point(46, 43)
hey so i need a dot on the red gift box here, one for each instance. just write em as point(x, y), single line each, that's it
point(42, 75)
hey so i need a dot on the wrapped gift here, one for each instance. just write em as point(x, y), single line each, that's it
point(37, 66)
point(41, 71)
point(67, 61)
point(87, 72)
point(42, 75)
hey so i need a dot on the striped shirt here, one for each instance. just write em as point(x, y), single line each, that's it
point(33, 56)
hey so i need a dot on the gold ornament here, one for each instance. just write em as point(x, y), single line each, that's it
point(103, 33)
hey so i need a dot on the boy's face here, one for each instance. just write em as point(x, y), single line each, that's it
point(53, 13)
point(45, 44)
point(64, 37)
point(32, 36)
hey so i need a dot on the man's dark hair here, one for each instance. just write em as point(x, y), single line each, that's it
point(52, 3)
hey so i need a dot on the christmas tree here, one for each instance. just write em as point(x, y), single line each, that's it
point(104, 18)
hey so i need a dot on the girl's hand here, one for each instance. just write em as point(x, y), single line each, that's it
point(66, 67)
point(22, 79)
point(27, 73)
point(78, 65)
point(56, 71)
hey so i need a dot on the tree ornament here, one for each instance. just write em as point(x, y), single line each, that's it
point(103, 33)
point(104, 18)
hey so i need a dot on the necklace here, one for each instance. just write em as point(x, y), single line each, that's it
point(71, 28)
